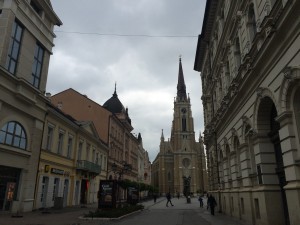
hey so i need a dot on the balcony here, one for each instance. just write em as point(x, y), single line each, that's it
point(88, 166)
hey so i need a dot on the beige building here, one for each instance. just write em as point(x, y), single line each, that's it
point(249, 59)
point(71, 162)
point(180, 163)
point(26, 41)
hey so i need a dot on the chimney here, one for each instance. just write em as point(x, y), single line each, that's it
point(60, 105)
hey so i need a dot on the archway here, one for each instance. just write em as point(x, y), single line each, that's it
point(268, 126)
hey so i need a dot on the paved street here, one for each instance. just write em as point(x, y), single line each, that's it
point(154, 214)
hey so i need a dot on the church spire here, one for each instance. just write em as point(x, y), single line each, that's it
point(162, 138)
point(115, 93)
point(181, 89)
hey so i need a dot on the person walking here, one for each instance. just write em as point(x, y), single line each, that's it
point(169, 199)
point(201, 201)
point(212, 203)
point(154, 198)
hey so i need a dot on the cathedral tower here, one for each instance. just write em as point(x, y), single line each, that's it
point(179, 165)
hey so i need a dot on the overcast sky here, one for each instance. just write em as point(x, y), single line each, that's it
point(138, 55)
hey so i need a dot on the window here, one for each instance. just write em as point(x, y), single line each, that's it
point(55, 188)
point(12, 133)
point(70, 146)
point(88, 148)
point(257, 210)
point(60, 143)
point(242, 206)
point(37, 65)
point(49, 137)
point(14, 47)
point(183, 123)
point(251, 22)
point(35, 7)
point(79, 150)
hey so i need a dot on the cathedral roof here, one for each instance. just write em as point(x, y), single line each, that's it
point(113, 104)
point(181, 89)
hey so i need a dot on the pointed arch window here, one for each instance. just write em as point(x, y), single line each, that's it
point(251, 22)
point(13, 133)
point(183, 123)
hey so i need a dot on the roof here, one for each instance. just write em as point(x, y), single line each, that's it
point(181, 88)
point(114, 105)
point(82, 108)
point(204, 37)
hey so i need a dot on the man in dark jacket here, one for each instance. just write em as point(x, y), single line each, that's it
point(211, 202)
point(169, 199)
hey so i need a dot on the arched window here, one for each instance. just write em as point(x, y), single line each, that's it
point(12, 133)
point(251, 22)
point(236, 144)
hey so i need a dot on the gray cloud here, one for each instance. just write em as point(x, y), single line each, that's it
point(145, 68)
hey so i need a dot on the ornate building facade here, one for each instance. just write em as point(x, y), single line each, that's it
point(179, 166)
point(248, 56)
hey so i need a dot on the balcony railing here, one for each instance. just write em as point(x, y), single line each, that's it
point(88, 166)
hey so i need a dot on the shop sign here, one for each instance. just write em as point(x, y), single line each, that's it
point(57, 171)
point(106, 194)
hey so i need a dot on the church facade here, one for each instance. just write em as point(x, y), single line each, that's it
point(179, 166)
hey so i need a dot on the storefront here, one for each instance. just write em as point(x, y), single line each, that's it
point(54, 188)
point(9, 182)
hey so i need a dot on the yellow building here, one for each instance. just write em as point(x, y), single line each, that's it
point(72, 162)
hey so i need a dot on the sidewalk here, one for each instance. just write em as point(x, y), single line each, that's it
point(70, 215)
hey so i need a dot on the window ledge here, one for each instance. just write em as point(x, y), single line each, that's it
point(15, 151)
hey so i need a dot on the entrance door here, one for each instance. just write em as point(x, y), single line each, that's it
point(83, 192)
point(9, 180)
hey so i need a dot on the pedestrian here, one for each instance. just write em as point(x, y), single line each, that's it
point(201, 201)
point(178, 195)
point(154, 198)
point(169, 199)
point(211, 201)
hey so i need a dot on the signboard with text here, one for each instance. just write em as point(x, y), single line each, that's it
point(107, 194)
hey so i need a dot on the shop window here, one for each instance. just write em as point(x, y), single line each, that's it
point(12, 133)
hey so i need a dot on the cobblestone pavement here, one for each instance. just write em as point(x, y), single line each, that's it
point(181, 213)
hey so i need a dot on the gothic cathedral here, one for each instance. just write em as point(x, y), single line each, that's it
point(179, 166)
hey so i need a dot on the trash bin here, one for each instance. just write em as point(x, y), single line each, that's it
point(58, 202)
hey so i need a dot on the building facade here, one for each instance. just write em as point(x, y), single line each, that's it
point(26, 41)
point(248, 56)
point(71, 162)
point(180, 163)
point(113, 125)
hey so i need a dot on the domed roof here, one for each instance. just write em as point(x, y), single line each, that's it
point(113, 104)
